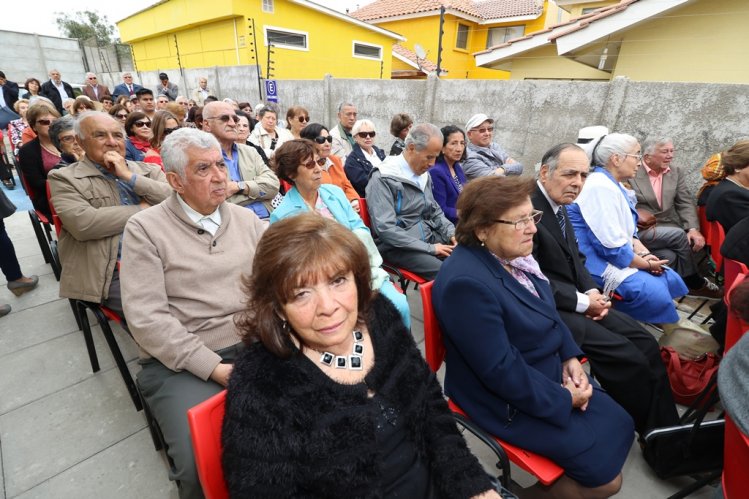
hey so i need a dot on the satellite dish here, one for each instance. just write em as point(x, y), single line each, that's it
point(420, 52)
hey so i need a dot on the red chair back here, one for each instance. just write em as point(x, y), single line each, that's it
point(735, 462)
point(704, 224)
point(285, 186)
point(205, 421)
point(731, 269)
point(55, 219)
point(363, 213)
point(544, 469)
point(715, 240)
point(735, 327)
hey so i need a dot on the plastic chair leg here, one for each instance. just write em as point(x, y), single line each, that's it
point(40, 238)
point(85, 325)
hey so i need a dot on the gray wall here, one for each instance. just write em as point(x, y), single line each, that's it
point(531, 115)
point(26, 55)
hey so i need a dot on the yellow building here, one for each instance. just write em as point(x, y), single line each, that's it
point(308, 40)
point(469, 26)
point(646, 40)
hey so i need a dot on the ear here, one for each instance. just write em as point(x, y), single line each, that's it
point(175, 181)
point(543, 174)
point(482, 234)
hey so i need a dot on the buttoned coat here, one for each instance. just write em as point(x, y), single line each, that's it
point(103, 90)
point(679, 205)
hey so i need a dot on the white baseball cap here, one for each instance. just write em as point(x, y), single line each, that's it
point(476, 120)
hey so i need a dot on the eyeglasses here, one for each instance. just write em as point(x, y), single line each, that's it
point(321, 139)
point(364, 135)
point(91, 78)
point(312, 163)
point(121, 116)
point(303, 119)
point(44, 122)
point(524, 222)
point(638, 156)
point(141, 124)
point(224, 118)
point(483, 130)
point(67, 139)
point(128, 76)
point(167, 131)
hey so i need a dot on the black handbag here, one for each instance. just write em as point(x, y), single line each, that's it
point(7, 208)
point(6, 116)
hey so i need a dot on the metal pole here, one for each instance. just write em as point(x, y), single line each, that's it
point(257, 60)
point(439, 44)
point(179, 62)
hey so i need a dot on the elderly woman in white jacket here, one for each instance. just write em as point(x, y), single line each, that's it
point(266, 134)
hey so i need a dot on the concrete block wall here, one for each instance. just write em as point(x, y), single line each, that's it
point(531, 115)
point(26, 55)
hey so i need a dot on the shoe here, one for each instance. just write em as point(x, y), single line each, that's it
point(9, 184)
point(4, 309)
point(708, 290)
point(20, 287)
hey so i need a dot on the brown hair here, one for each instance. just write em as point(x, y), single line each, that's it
point(486, 199)
point(82, 102)
point(740, 300)
point(295, 252)
point(736, 158)
point(289, 156)
point(293, 112)
point(158, 125)
point(399, 123)
point(131, 119)
point(37, 110)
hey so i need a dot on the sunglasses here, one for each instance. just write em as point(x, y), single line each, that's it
point(92, 78)
point(303, 119)
point(141, 124)
point(311, 163)
point(224, 118)
point(364, 135)
point(167, 131)
point(321, 139)
point(122, 116)
point(483, 130)
point(44, 122)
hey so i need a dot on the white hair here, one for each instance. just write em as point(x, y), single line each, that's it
point(421, 134)
point(80, 118)
point(362, 123)
point(175, 148)
point(613, 144)
point(652, 143)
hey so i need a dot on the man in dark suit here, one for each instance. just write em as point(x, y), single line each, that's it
point(624, 357)
point(10, 91)
point(127, 87)
point(94, 90)
point(56, 90)
point(662, 190)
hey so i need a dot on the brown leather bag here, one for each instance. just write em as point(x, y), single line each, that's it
point(645, 219)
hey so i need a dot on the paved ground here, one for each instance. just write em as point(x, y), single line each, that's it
point(66, 432)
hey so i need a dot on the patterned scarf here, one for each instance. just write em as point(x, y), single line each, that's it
point(520, 267)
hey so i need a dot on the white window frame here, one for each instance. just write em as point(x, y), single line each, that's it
point(506, 37)
point(286, 30)
point(359, 56)
point(268, 6)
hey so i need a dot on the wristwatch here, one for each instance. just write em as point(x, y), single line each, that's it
point(242, 186)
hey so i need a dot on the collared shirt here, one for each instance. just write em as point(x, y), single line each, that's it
point(211, 222)
point(583, 302)
point(2, 96)
point(95, 88)
point(656, 180)
point(232, 164)
point(61, 90)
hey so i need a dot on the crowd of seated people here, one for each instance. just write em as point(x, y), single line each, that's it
point(148, 187)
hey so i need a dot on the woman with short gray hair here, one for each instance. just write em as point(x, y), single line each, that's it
point(605, 222)
point(62, 135)
point(364, 155)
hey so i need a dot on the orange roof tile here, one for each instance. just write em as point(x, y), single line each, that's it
point(483, 9)
point(425, 65)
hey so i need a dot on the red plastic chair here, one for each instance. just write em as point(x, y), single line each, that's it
point(731, 269)
point(735, 462)
point(42, 229)
point(205, 420)
point(715, 241)
point(704, 224)
point(404, 276)
point(735, 327)
point(544, 469)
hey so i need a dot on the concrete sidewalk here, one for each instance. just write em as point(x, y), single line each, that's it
point(66, 432)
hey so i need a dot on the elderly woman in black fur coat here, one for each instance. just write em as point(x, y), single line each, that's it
point(332, 398)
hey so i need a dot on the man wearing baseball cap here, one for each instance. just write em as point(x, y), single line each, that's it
point(484, 156)
point(167, 88)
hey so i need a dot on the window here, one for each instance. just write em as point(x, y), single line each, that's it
point(498, 36)
point(367, 51)
point(588, 10)
point(268, 6)
point(285, 38)
point(461, 42)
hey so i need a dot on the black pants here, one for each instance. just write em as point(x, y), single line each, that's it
point(626, 360)
point(8, 260)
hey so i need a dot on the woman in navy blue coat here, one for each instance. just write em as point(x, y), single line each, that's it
point(511, 361)
point(448, 178)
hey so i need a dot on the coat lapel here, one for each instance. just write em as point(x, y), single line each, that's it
point(642, 182)
point(542, 304)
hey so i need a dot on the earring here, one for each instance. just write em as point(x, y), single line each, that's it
point(482, 244)
point(285, 326)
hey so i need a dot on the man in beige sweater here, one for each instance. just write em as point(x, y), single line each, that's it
point(182, 263)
